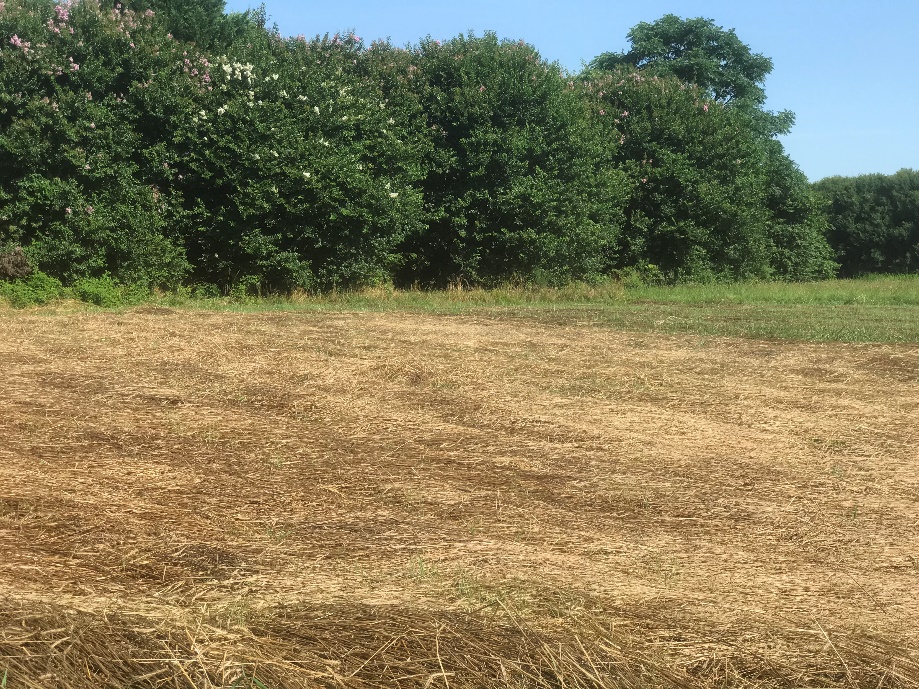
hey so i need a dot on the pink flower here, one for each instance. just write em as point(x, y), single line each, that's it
point(61, 12)
point(19, 43)
point(625, 113)
point(92, 125)
point(481, 89)
point(89, 210)
point(74, 67)
point(68, 211)
point(705, 107)
point(149, 13)
point(644, 180)
point(603, 112)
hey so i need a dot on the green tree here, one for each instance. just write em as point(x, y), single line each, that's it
point(696, 51)
point(515, 187)
point(715, 196)
point(202, 22)
point(873, 222)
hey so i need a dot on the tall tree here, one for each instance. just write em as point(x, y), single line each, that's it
point(696, 51)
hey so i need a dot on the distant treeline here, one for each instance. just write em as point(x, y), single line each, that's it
point(165, 142)
point(873, 222)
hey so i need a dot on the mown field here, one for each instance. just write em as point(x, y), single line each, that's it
point(478, 491)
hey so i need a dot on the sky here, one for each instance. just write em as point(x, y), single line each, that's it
point(848, 69)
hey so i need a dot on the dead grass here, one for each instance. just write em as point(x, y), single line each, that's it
point(194, 499)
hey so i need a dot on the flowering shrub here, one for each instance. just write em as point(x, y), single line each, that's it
point(74, 188)
point(244, 162)
point(292, 168)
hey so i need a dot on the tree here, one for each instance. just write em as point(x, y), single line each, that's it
point(714, 194)
point(202, 22)
point(516, 186)
point(696, 51)
point(874, 222)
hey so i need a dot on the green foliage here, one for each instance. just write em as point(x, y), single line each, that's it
point(712, 199)
point(106, 292)
point(167, 143)
point(34, 290)
point(39, 288)
point(293, 169)
point(798, 224)
point(75, 187)
point(873, 222)
point(202, 22)
point(698, 52)
point(515, 186)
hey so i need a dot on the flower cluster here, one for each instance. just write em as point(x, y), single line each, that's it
point(17, 42)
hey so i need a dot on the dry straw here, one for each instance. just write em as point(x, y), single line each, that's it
point(366, 500)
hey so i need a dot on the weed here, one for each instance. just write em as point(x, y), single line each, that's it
point(246, 682)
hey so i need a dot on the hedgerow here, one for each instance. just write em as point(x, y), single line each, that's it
point(239, 161)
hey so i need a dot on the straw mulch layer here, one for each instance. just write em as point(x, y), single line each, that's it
point(193, 499)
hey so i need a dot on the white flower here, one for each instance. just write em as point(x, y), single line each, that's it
point(274, 153)
point(274, 76)
point(221, 110)
point(394, 195)
point(307, 175)
point(283, 94)
point(316, 109)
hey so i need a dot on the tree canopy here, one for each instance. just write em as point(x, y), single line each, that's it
point(873, 222)
point(165, 143)
point(696, 51)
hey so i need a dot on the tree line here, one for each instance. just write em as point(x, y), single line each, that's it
point(166, 142)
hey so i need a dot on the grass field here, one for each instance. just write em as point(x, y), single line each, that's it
point(523, 490)
point(876, 309)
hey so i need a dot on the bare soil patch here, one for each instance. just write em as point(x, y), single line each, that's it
point(194, 499)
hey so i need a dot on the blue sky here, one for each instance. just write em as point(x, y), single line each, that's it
point(846, 68)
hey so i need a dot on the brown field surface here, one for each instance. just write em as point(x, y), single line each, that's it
point(200, 499)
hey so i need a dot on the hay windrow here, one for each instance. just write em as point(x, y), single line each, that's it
point(370, 500)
